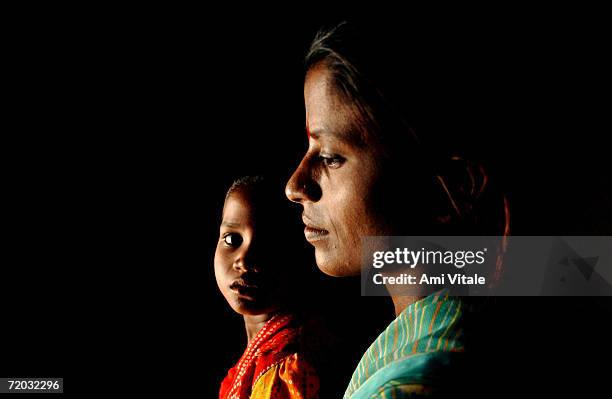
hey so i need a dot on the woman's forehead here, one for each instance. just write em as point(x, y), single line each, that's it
point(319, 100)
point(327, 115)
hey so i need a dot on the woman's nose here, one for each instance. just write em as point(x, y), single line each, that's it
point(301, 186)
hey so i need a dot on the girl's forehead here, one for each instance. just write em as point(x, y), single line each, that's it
point(237, 206)
point(241, 204)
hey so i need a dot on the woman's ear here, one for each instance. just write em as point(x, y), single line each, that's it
point(474, 205)
point(471, 202)
point(461, 184)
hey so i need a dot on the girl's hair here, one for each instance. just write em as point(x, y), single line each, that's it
point(267, 198)
point(248, 183)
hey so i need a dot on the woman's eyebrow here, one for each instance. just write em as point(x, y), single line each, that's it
point(316, 133)
point(348, 136)
point(230, 223)
point(319, 132)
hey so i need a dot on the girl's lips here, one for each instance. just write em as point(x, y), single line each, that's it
point(314, 234)
point(244, 289)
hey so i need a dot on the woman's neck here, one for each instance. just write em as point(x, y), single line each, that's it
point(400, 303)
point(255, 323)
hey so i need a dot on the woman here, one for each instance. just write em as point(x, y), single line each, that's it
point(363, 91)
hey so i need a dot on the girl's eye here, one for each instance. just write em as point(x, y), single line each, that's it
point(232, 240)
point(331, 161)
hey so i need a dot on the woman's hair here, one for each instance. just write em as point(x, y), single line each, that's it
point(391, 84)
point(364, 67)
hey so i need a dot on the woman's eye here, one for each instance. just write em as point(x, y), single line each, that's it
point(232, 240)
point(331, 161)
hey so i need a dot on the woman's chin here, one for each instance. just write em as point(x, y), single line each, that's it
point(332, 266)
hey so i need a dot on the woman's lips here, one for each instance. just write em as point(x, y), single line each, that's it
point(314, 234)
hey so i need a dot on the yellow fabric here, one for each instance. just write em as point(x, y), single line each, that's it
point(292, 378)
point(404, 391)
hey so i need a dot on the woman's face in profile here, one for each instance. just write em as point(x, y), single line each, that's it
point(336, 180)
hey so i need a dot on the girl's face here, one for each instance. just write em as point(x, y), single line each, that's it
point(245, 282)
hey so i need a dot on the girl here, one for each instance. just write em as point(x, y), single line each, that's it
point(252, 276)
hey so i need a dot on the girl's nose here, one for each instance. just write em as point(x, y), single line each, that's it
point(246, 262)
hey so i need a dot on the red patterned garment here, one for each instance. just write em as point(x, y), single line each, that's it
point(272, 366)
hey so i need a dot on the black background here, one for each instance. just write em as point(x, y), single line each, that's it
point(124, 128)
